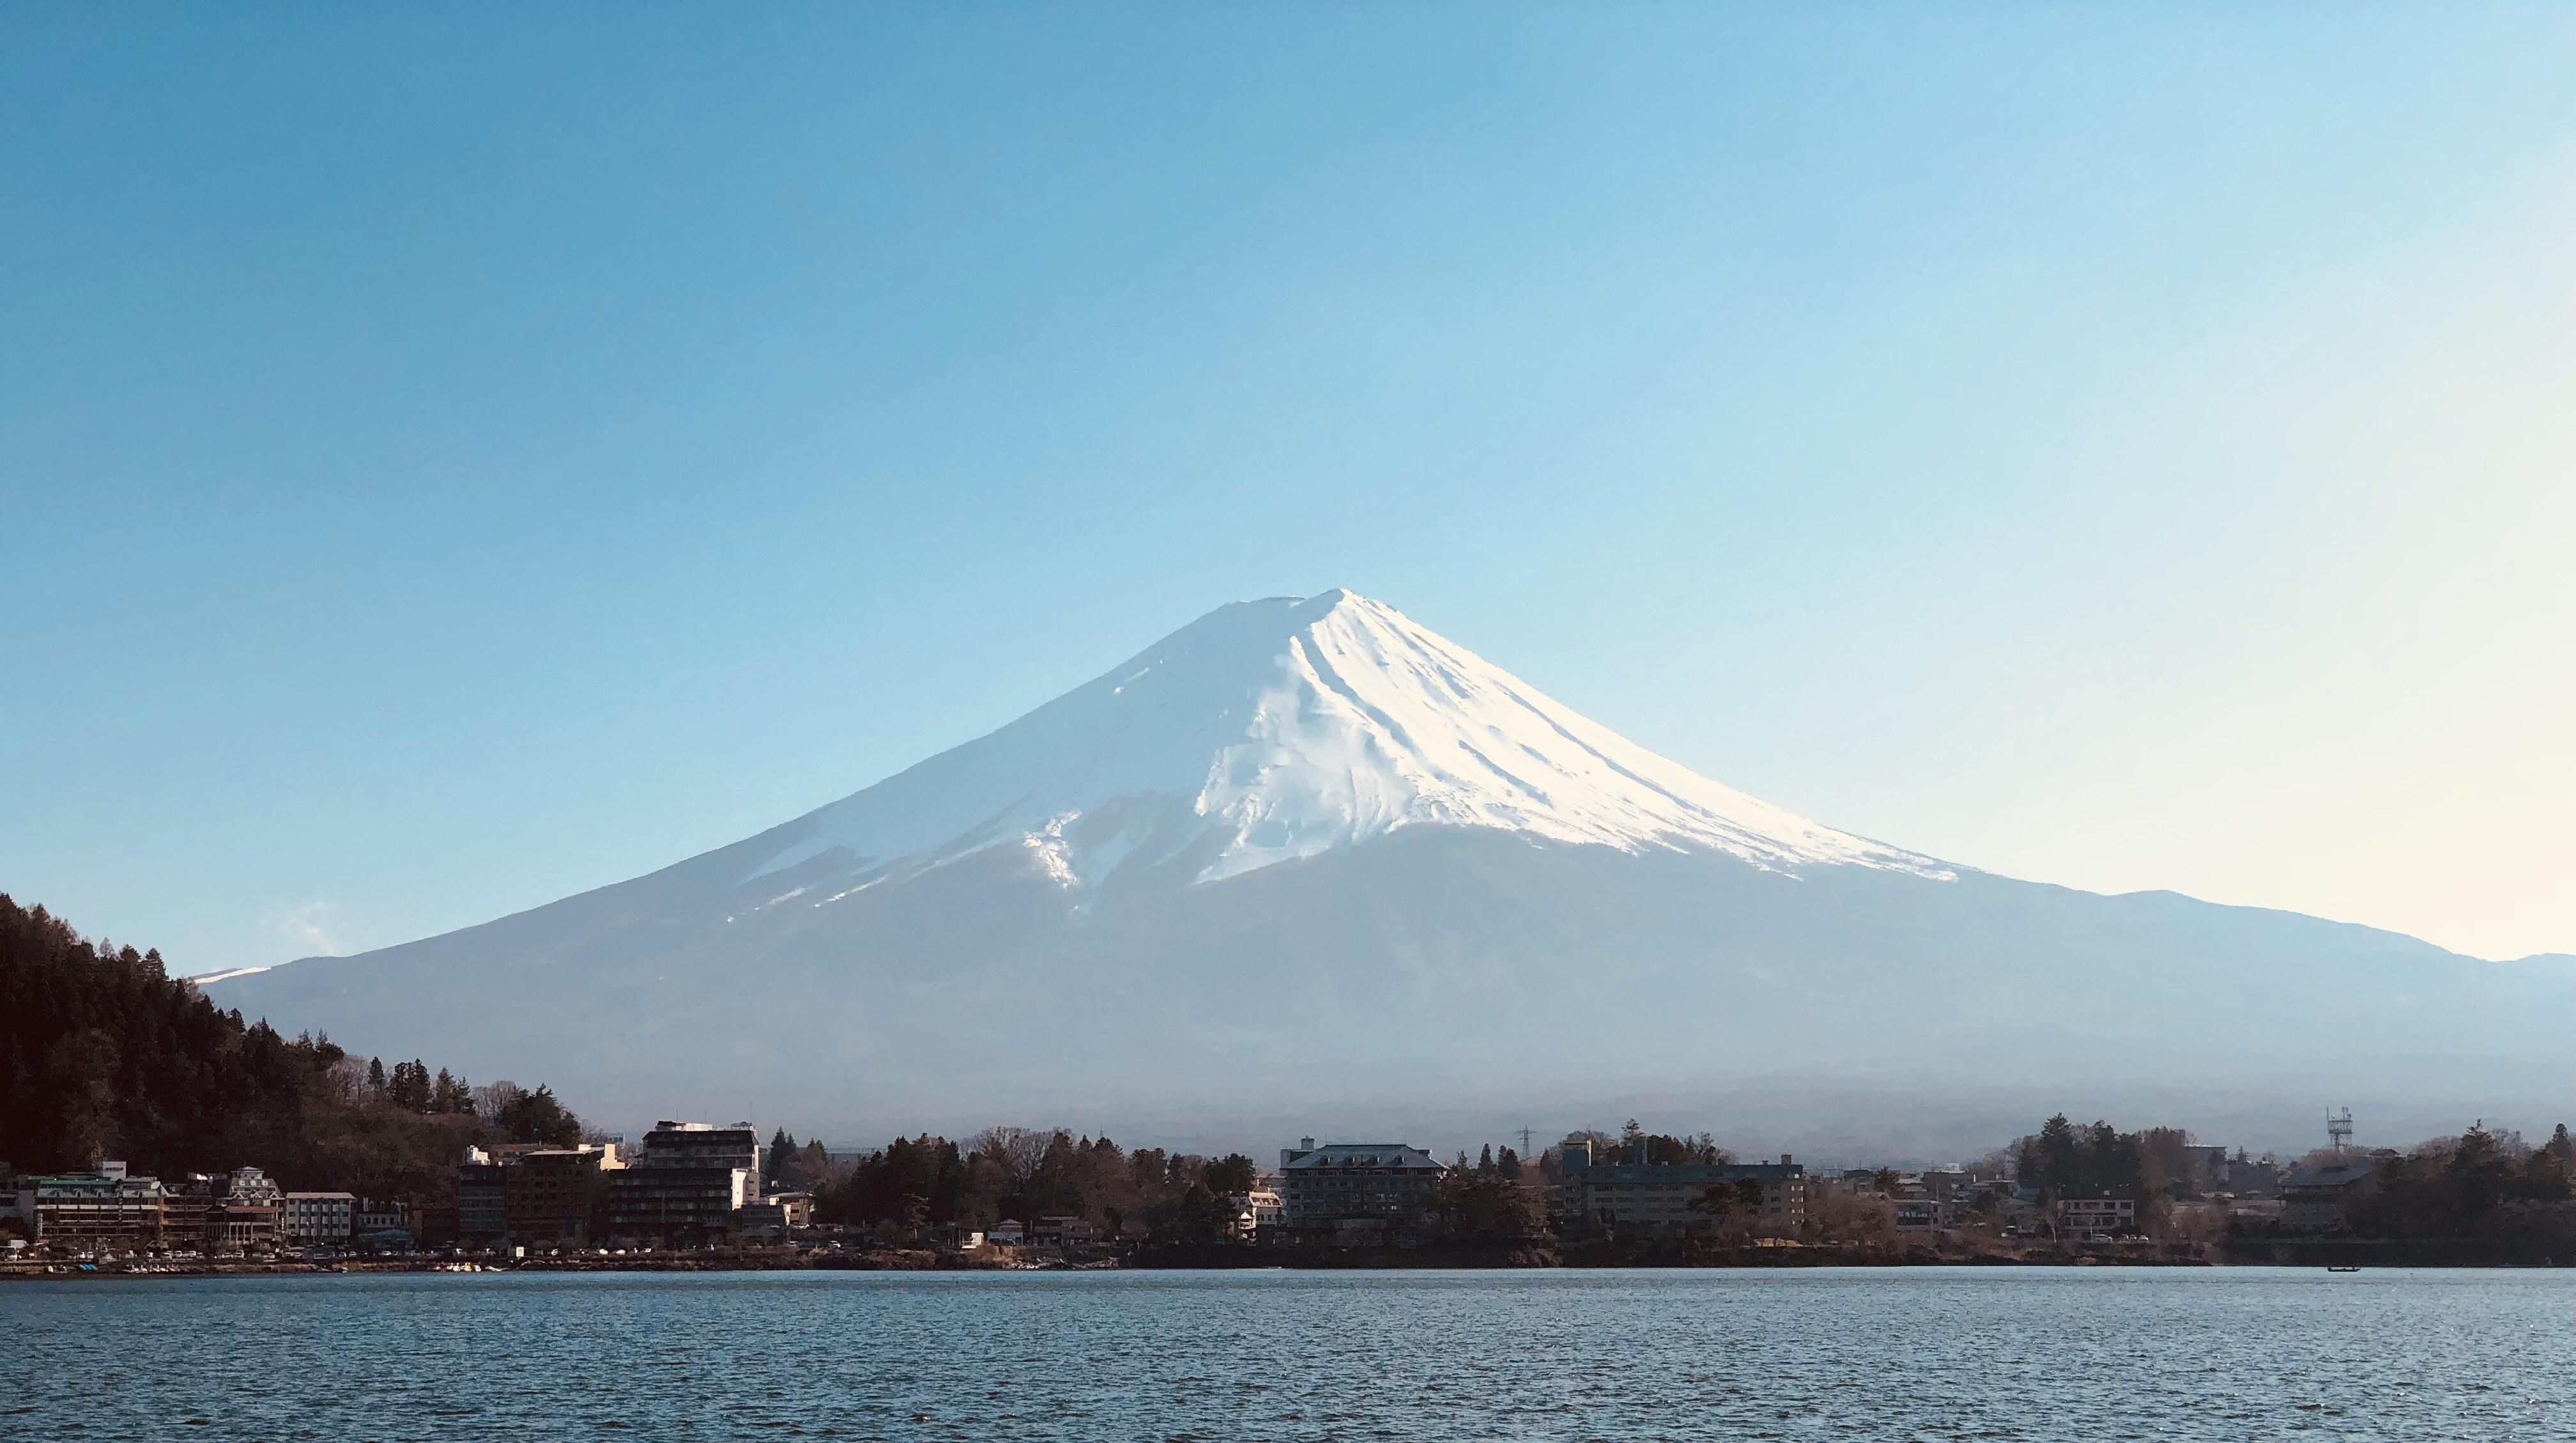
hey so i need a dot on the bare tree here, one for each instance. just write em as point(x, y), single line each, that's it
point(1017, 1150)
point(492, 1097)
point(1837, 1214)
point(348, 1078)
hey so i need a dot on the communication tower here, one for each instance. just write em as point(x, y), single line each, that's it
point(2339, 1130)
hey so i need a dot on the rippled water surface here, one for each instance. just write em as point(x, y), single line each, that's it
point(1919, 1353)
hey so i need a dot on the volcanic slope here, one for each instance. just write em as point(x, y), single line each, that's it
point(1304, 859)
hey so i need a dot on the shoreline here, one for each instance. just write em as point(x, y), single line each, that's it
point(2346, 1256)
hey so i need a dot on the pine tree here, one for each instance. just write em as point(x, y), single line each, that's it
point(2059, 1157)
point(411, 1086)
point(2561, 1146)
point(538, 1117)
point(813, 1166)
point(103, 1053)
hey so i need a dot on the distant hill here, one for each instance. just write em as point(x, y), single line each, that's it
point(104, 1055)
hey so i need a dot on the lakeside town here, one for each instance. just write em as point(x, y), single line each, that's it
point(146, 1130)
point(695, 1194)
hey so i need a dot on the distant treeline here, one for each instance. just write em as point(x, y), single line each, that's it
point(1011, 1172)
point(1173, 1199)
point(2481, 1184)
point(104, 1055)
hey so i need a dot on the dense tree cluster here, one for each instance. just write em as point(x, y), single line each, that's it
point(2478, 1185)
point(2064, 1160)
point(104, 1055)
point(1148, 1195)
point(524, 1116)
point(1662, 1150)
point(1022, 1173)
point(411, 1088)
point(1495, 1200)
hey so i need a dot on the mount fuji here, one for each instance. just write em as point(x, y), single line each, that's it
point(1305, 865)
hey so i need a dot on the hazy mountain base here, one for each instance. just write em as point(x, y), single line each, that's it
point(1449, 985)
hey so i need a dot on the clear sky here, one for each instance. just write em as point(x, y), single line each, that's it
point(455, 456)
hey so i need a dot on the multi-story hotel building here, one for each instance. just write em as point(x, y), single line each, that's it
point(689, 1180)
point(1668, 1197)
point(317, 1217)
point(99, 1209)
point(1358, 1192)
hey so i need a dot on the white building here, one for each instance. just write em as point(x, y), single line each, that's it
point(2096, 1217)
point(1255, 1210)
point(317, 1217)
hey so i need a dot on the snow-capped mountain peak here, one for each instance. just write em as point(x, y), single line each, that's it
point(1276, 729)
point(1305, 858)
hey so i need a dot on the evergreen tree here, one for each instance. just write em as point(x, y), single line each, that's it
point(813, 1166)
point(103, 1054)
point(1485, 1160)
point(410, 1086)
point(538, 1117)
point(2053, 1161)
point(1230, 1176)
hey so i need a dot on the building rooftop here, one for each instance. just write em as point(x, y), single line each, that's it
point(1613, 1173)
point(1394, 1155)
point(2333, 1174)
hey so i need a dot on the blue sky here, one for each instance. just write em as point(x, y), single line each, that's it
point(454, 457)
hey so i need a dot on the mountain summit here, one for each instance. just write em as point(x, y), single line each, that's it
point(1305, 865)
point(1272, 730)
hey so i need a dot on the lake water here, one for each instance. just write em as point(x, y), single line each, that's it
point(1928, 1353)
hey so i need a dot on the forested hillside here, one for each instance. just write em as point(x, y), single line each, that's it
point(104, 1055)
